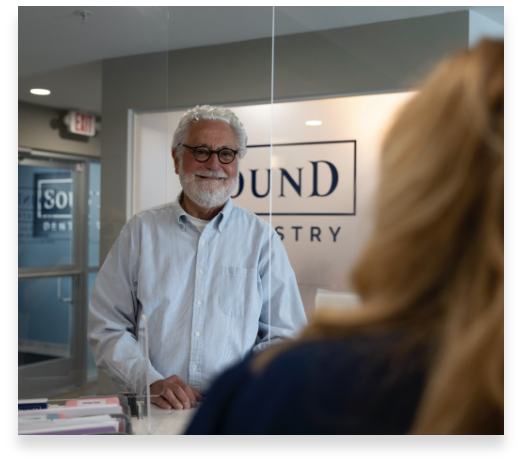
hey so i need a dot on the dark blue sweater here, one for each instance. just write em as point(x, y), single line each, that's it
point(349, 386)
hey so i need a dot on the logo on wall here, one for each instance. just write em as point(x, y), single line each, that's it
point(307, 179)
point(53, 204)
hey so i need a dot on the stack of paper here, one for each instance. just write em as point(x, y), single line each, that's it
point(76, 416)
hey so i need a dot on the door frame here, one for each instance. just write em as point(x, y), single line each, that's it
point(52, 376)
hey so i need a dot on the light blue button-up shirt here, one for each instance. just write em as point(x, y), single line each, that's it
point(209, 298)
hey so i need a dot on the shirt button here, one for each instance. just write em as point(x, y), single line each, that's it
point(198, 302)
point(197, 333)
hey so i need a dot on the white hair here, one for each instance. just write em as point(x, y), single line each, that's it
point(205, 113)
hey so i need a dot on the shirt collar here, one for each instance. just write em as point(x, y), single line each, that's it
point(219, 221)
point(179, 213)
point(224, 215)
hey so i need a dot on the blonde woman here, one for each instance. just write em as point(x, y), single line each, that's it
point(424, 352)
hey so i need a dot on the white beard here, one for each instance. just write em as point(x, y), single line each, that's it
point(207, 193)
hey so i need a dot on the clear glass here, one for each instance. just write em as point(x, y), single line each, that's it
point(229, 75)
point(340, 73)
point(314, 87)
point(44, 319)
point(92, 371)
point(45, 216)
point(214, 73)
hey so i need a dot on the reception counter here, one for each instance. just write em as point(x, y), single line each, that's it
point(163, 421)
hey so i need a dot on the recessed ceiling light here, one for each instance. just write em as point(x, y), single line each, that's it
point(40, 91)
point(314, 122)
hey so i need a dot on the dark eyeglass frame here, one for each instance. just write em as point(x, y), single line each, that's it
point(210, 152)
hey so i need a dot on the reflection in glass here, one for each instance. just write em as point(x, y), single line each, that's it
point(44, 319)
point(91, 362)
point(94, 214)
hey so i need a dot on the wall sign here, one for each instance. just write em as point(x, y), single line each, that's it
point(83, 124)
point(305, 179)
point(53, 204)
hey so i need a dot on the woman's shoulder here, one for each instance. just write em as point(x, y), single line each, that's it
point(314, 387)
point(344, 366)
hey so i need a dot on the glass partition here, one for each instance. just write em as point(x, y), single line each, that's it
point(315, 92)
point(228, 257)
point(94, 214)
point(315, 88)
point(340, 73)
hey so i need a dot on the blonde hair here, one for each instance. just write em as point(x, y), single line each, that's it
point(433, 268)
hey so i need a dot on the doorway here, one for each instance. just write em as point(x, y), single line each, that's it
point(58, 241)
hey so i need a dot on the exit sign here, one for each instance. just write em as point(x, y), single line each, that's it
point(83, 124)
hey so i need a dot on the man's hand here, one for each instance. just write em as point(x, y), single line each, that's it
point(173, 392)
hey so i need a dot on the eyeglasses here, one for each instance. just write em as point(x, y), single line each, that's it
point(202, 154)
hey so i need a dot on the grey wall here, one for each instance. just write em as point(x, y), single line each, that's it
point(382, 57)
point(38, 129)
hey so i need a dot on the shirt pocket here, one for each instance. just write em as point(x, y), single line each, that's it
point(234, 289)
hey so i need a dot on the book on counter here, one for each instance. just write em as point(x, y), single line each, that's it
point(93, 415)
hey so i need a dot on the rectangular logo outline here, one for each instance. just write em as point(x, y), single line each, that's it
point(354, 213)
point(45, 216)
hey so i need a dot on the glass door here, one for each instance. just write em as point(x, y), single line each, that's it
point(52, 276)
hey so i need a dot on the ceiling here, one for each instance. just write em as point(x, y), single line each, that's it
point(61, 47)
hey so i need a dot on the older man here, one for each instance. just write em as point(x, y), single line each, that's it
point(212, 279)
